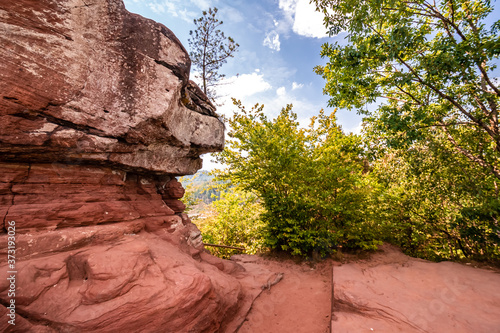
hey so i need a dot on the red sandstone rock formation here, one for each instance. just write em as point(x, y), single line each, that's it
point(391, 292)
point(97, 117)
point(89, 82)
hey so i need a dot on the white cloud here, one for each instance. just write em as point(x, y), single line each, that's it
point(187, 10)
point(173, 8)
point(288, 5)
point(246, 85)
point(240, 87)
point(301, 106)
point(231, 14)
point(272, 41)
point(158, 7)
point(296, 85)
point(288, 10)
point(202, 4)
point(187, 15)
point(306, 20)
point(281, 91)
point(355, 130)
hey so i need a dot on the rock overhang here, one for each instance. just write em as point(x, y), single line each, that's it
point(97, 116)
point(91, 83)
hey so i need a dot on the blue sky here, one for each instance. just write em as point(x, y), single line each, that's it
point(280, 42)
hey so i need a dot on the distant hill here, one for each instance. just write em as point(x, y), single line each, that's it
point(200, 177)
point(200, 187)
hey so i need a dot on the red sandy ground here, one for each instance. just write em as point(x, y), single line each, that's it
point(387, 292)
point(299, 303)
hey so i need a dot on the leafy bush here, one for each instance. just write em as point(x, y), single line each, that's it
point(437, 205)
point(233, 220)
point(310, 181)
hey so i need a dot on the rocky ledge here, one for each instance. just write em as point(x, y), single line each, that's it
point(97, 117)
point(87, 82)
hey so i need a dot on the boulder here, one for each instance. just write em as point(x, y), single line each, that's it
point(88, 82)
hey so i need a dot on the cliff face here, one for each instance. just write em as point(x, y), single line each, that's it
point(88, 82)
point(97, 116)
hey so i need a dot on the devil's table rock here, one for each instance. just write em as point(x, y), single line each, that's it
point(97, 117)
point(89, 82)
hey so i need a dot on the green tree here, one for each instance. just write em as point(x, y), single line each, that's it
point(309, 181)
point(430, 61)
point(435, 204)
point(234, 220)
point(434, 137)
point(210, 49)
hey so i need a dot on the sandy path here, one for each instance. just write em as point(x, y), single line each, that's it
point(299, 303)
point(388, 292)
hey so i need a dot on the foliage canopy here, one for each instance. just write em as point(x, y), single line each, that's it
point(434, 137)
point(430, 61)
point(310, 181)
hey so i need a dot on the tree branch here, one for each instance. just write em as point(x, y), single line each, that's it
point(476, 159)
point(447, 125)
point(396, 99)
point(439, 92)
point(461, 34)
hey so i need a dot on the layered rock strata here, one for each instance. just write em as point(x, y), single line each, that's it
point(97, 117)
point(88, 82)
point(98, 249)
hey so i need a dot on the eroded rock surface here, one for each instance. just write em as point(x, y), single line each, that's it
point(97, 117)
point(89, 82)
point(98, 249)
point(391, 292)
